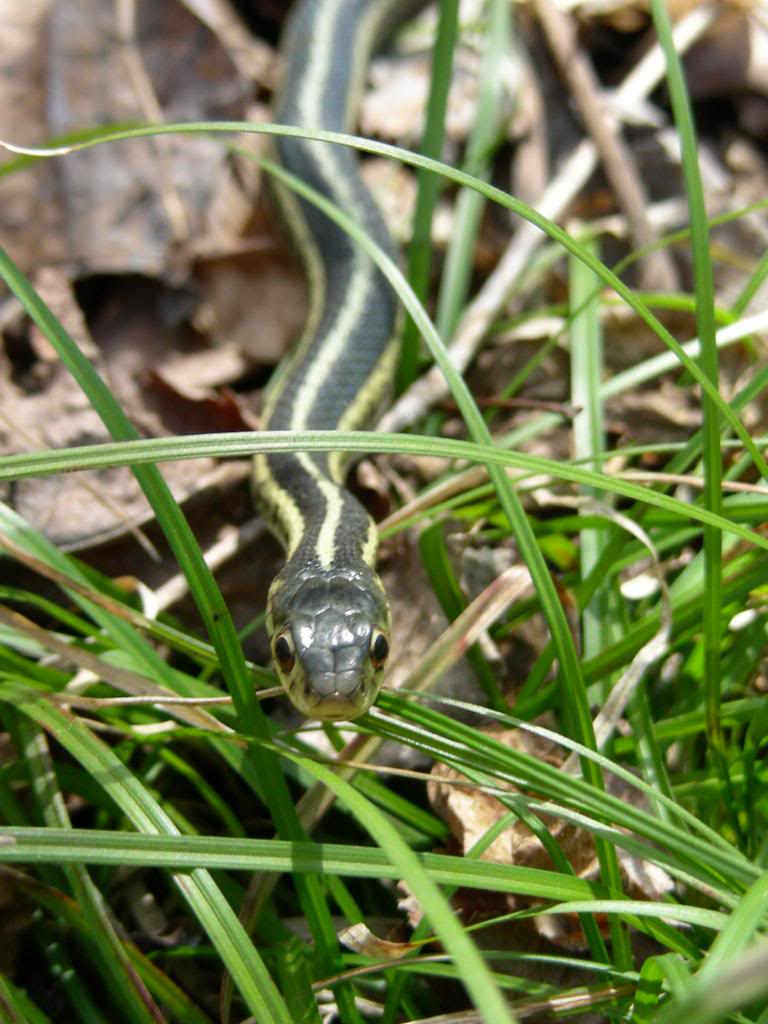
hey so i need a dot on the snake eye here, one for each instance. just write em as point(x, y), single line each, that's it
point(284, 655)
point(379, 650)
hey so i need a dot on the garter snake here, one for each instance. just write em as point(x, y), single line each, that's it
point(327, 614)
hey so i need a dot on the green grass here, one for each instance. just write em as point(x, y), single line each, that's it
point(210, 813)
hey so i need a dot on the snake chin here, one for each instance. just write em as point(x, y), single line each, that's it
point(328, 695)
point(335, 708)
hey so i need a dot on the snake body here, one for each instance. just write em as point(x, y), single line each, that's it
point(327, 615)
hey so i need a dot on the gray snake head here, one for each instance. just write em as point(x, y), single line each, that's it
point(329, 635)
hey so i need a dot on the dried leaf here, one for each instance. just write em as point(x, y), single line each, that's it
point(360, 939)
point(469, 812)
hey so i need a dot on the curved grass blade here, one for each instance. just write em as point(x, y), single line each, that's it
point(240, 444)
point(705, 322)
point(33, 844)
point(460, 178)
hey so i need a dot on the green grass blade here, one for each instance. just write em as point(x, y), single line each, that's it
point(748, 919)
point(712, 999)
point(705, 321)
point(457, 272)
point(16, 1007)
point(240, 444)
point(105, 948)
point(420, 247)
point(296, 981)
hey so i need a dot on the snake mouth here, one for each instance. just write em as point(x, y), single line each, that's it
point(338, 709)
point(335, 699)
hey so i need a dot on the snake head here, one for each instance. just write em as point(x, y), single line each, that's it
point(330, 640)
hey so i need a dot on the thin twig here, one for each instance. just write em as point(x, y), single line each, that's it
point(231, 541)
point(659, 273)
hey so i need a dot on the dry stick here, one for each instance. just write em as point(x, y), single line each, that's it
point(728, 486)
point(476, 476)
point(231, 541)
point(42, 568)
point(717, 179)
point(222, 476)
point(253, 58)
point(531, 404)
point(572, 176)
point(77, 700)
point(658, 270)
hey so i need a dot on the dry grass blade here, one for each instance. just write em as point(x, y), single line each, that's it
point(120, 678)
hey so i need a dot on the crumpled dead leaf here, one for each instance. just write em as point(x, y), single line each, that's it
point(360, 939)
point(43, 407)
point(30, 220)
point(469, 812)
point(109, 208)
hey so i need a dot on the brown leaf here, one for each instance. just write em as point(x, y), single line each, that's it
point(360, 939)
point(192, 412)
point(125, 206)
point(30, 225)
point(469, 812)
point(254, 300)
point(41, 406)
